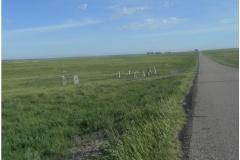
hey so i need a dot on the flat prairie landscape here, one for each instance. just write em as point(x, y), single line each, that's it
point(104, 116)
point(229, 57)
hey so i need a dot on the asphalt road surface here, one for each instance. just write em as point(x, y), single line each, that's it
point(215, 118)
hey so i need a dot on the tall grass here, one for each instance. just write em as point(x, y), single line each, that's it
point(137, 118)
point(153, 134)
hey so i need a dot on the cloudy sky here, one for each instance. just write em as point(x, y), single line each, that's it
point(72, 28)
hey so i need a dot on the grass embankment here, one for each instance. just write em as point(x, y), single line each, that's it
point(229, 57)
point(132, 118)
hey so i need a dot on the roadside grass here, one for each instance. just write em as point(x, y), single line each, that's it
point(229, 57)
point(134, 118)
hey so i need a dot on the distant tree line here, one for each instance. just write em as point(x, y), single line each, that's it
point(149, 53)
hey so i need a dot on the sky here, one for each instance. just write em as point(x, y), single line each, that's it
point(34, 29)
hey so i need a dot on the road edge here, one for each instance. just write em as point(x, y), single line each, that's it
point(188, 104)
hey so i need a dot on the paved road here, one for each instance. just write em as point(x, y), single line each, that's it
point(215, 119)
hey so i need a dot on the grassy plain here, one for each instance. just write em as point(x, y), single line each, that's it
point(229, 57)
point(111, 117)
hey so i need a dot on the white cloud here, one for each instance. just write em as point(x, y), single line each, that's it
point(70, 24)
point(83, 6)
point(121, 11)
point(113, 7)
point(131, 10)
point(152, 23)
point(165, 5)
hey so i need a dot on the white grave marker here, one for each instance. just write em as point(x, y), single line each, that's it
point(149, 71)
point(119, 74)
point(135, 75)
point(155, 71)
point(75, 79)
point(143, 74)
point(64, 81)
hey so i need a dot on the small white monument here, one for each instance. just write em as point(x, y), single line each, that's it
point(149, 71)
point(75, 79)
point(135, 75)
point(119, 74)
point(64, 81)
point(143, 74)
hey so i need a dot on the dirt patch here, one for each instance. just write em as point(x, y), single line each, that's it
point(87, 147)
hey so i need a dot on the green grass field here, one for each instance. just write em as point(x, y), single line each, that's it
point(104, 117)
point(229, 57)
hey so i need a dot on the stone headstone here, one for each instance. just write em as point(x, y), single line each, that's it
point(149, 71)
point(143, 74)
point(119, 74)
point(129, 72)
point(135, 75)
point(75, 79)
point(155, 71)
point(64, 81)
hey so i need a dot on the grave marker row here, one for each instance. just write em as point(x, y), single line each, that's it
point(75, 80)
point(135, 73)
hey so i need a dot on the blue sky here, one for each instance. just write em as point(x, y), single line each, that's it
point(71, 28)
